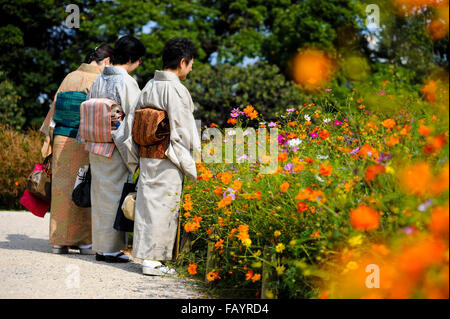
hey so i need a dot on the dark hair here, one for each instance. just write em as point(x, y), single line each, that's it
point(175, 50)
point(99, 53)
point(127, 48)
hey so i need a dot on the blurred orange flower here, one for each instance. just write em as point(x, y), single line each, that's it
point(373, 171)
point(284, 187)
point(424, 130)
point(365, 218)
point(325, 170)
point(389, 123)
point(225, 177)
point(439, 221)
point(312, 69)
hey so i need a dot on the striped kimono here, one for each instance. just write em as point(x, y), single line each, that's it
point(109, 174)
point(70, 225)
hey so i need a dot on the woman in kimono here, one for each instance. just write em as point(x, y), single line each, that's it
point(70, 225)
point(109, 174)
point(161, 179)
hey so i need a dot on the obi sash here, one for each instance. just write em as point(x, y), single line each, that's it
point(67, 113)
point(95, 126)
point(151, 132)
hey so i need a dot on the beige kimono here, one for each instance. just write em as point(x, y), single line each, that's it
point(109, 174)
point(160, 181)
point(70, 225)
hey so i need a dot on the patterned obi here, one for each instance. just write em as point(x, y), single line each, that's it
point(67, 113)
point(95, 126)
point(151, 132)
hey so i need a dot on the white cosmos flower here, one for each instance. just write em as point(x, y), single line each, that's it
point(295, 142)
point(326, 121)
point(307, 118)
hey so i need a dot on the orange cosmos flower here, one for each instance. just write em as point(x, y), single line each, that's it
point(219, 244)
point(373, 171)
point(424, 130)
point(440, 183)
point(248, 110)
point(417, 257)
point(416, 178)
point(284, 187)
point(256, 277)
point(249, 275)
point(437, 29)
point(192, 269)
point(367, 150)
point(189, 227)
point(393, 140)
point(325, 170)
point(225, 178)
point(224, 202)
point(439, 221)
point(243, 233)
point(324, 134)
point(232, 121)
point(282, 157)
point(389, 123)
point(253, 115)
point(206, 176)
point(187, 205)
point(434, 145)
point(212, 275)
point(364, 218)
point(429, 90)
point(237, 184)
point(380, 249)
point(301, 207)
point(218, 191)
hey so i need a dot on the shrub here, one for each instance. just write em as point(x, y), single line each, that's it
point(19, 154)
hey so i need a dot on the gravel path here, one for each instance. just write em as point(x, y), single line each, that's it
point(28, 269)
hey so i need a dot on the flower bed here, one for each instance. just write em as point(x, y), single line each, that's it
point(356, 196)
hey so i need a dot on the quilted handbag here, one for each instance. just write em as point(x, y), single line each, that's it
point(39, 183)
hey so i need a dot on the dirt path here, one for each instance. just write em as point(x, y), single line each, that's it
point(29, 270)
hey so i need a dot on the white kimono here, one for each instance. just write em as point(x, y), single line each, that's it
point(110, 174)
point(161, 180)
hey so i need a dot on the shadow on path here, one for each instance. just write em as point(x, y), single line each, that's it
point(24, 242)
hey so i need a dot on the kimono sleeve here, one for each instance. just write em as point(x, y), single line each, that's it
point(122, 137)
point(183, 130)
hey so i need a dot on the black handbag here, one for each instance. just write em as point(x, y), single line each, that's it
point(122, 223)
point(81, 194)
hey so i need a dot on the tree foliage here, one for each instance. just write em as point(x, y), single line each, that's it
point(38, 50)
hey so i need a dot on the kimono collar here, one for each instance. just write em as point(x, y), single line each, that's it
point(88, 68)
point(166, 76)
point(110, 70)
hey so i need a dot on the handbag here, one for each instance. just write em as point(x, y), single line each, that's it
point(122, 222)
point(129, 205)
point(81, 194)
point(39, 183)
point(36, 206)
